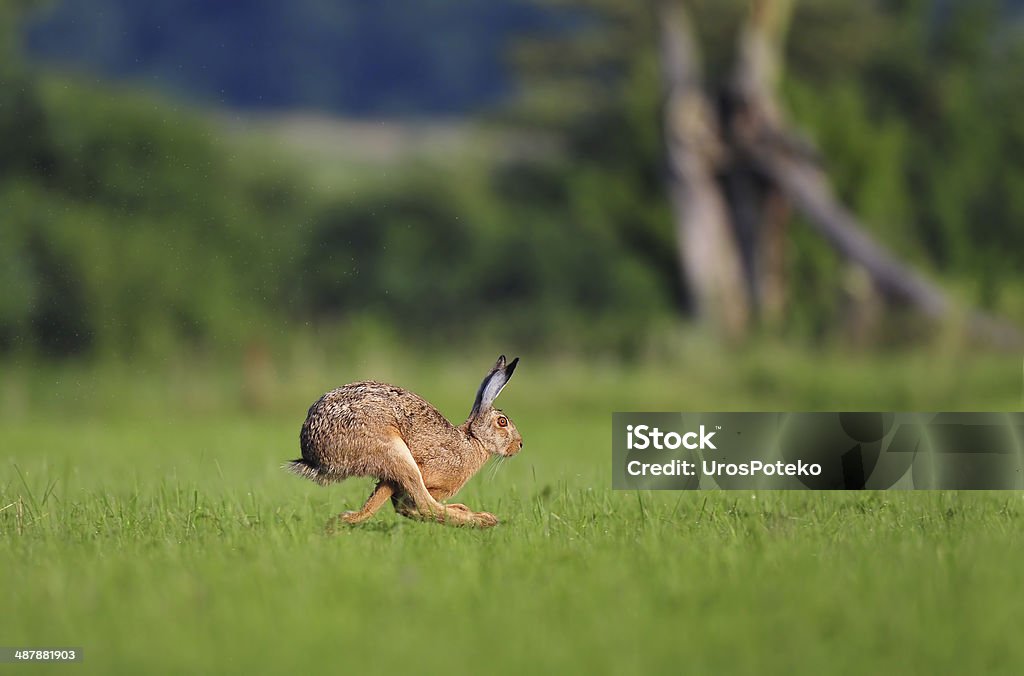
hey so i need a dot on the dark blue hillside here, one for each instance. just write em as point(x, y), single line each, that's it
point(357, 58)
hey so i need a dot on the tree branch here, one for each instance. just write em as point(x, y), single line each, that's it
point(708, 254)
point(808, 188)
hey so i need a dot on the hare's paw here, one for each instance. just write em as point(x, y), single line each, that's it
point(352, 518)
point(484, 520)
point(464, 516)
point(457, 515)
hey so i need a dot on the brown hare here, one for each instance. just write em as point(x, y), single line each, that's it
point(418, 457)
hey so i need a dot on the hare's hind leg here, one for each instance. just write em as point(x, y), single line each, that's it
point(380, 495)
point(415, 500)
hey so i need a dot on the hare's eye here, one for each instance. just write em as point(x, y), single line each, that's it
point(502, 421)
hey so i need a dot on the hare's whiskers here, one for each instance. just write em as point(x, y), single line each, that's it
point(493, 470)
point(496, 466)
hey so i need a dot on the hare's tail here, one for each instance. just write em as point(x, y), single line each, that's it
point(303, 468)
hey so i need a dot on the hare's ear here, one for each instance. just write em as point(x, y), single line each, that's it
point(492, 384)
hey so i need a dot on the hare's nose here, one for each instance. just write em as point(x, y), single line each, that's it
point(520, 444)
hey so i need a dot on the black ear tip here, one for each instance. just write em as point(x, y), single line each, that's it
point(511, 367)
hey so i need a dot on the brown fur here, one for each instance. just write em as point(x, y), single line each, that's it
point(378, 430)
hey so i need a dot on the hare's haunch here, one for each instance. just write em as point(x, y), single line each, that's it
point(419, 458)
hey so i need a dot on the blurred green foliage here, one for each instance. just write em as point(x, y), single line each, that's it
point(125, 223)
point(129, 225)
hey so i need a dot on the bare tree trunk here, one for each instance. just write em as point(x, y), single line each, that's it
point(760, 59)
point(708, 253)
point(761, 211)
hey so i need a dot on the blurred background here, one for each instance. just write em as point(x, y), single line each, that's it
point(252, 183)
point(212, 212)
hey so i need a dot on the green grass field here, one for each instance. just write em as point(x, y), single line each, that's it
point(145, 520)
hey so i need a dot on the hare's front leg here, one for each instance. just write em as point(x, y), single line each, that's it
point(405, 506)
